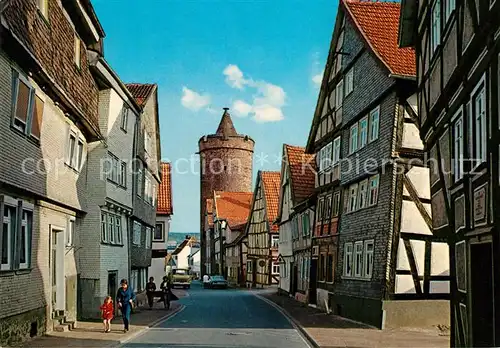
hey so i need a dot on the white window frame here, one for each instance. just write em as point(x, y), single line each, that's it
point(363, 132)
point(374, 124)
point(358, 253)
point(275, 241)
point(137, 231)
point(374, 178)
point(70, 232)
point(10, 221)
point(339, 94)
point(348, 259)
point(17, 77)
point(480, 126)
point(162, 239)
point(27, 245)
point(435, 26)
point(458, 146)
point(368, 256)
point(319, 213)
point(77, 52)
point(353, 198)
point(148, 237)
point(139, 182)
point(325, 157)
point(74, 155)
point(124, 120)
point(118, 230)
point(362, 194)
point(336, 204)
point(104, 227)
point(336, 150)
point(349, 82)
point(353, 139)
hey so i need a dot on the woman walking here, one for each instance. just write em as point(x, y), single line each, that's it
point(125, 299)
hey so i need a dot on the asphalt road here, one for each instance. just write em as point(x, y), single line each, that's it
point(222, 318)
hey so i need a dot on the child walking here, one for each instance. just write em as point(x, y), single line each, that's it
point(107, 313)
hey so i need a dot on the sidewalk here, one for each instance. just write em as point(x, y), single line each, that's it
point(328, 330)
point(90, 334)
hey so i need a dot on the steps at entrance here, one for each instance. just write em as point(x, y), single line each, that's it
point(60, 324)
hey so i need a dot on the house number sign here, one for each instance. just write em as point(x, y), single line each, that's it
point(480, 204)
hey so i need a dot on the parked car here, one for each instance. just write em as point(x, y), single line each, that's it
point(181, 278)
point(217, 282)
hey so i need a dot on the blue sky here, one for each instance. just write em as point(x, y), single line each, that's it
point(261, 58)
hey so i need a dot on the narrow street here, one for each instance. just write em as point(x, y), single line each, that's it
point(222, 318)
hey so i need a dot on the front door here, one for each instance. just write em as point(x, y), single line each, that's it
point(312, 281)
point(254, 273)
point(295, 279)
point(481, 282)
point(113, 285)
point(57, 270)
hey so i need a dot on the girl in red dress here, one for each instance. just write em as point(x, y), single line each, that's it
point(107, 313)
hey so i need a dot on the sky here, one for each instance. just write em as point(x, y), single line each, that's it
point(261, 58)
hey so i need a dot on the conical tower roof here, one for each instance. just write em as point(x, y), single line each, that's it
point(226, 126)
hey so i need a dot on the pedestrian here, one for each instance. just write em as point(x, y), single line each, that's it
point(107, 313)
point(125, 298)
point(165, 288)
point(150, 289)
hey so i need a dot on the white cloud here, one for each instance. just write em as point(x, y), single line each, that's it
point(267, 113)
point(241, 108)
point(234, 76)
point(317, 79)
point(267, 102)
point(193, 100)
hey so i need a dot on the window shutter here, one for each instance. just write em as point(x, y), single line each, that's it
point(23, 99)
point(36, 121)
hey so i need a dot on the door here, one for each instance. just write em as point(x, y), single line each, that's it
point(57, 270)
point(254, 273)
point(295, 278)
point(481, 282)
point(312, 281)
point(113, 286)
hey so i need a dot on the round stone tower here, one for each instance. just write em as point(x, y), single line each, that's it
point(226, 159)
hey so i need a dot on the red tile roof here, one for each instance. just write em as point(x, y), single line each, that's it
point(379, 24)
point(271, 184)
point(165, 191)
point(140, 91)
point(234, 207)
point(210, 211)
point(302, 172)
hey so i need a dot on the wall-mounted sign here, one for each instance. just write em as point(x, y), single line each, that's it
point(480, 204)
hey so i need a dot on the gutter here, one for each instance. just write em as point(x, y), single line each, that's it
point(403, 77)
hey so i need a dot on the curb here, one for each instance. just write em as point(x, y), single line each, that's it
point(148, 327)
point(294, 322)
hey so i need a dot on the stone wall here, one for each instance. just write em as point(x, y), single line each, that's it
point(19, 328)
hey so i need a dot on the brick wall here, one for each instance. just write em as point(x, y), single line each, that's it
point(51, 41)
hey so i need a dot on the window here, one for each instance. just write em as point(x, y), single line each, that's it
point(374, 124)
point(339, 94)
point(124, 120)
point(306, 227)
point(348, 259)
point(436, 25)
point(328, 208)
point(78, 57)
point(368, 259)
point(137, 233)
point(358, 259)
point(139, 180)
point(336, 204)
point(158, 235)
point(449, 7)
point(319, 213)
point(363, 132)
point(321, 267)
point(353, 139)
point(336, 151)
point(275, 268)
point(147, 142)
point(104, 227)
point(329, 268)
point(111, 229)
point(362, 194)
point(480, 133)
point(148, 237)
point(43, 6)
point(458, 148)
point(283, 270)
point(27, 107)
point(148, 189)
point(16, 234)
point(275, 241)
point(325, 157)
point(374, 182)
point(118, 230)
point(353, 193)
point(70, 232)
point(117, 170)
point(75, 151)
point(349, 81)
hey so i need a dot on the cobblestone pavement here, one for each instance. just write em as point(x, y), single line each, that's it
point(328, 331)
point(90, 334)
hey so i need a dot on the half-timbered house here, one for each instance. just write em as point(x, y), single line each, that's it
point(458, 45)
point(230, 215)
point(380, 257)
point(263, 233)
point(295, 218)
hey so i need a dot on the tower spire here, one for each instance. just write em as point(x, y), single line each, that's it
point(226, 126)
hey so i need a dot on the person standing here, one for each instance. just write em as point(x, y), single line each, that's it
point(125, 299)
point(150, 289)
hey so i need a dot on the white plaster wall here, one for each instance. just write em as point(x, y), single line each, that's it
point(411, 137)
point(157, 270)
point(419, 177)
point(182, 258)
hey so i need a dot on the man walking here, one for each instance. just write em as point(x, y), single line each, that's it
point(150, 291)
